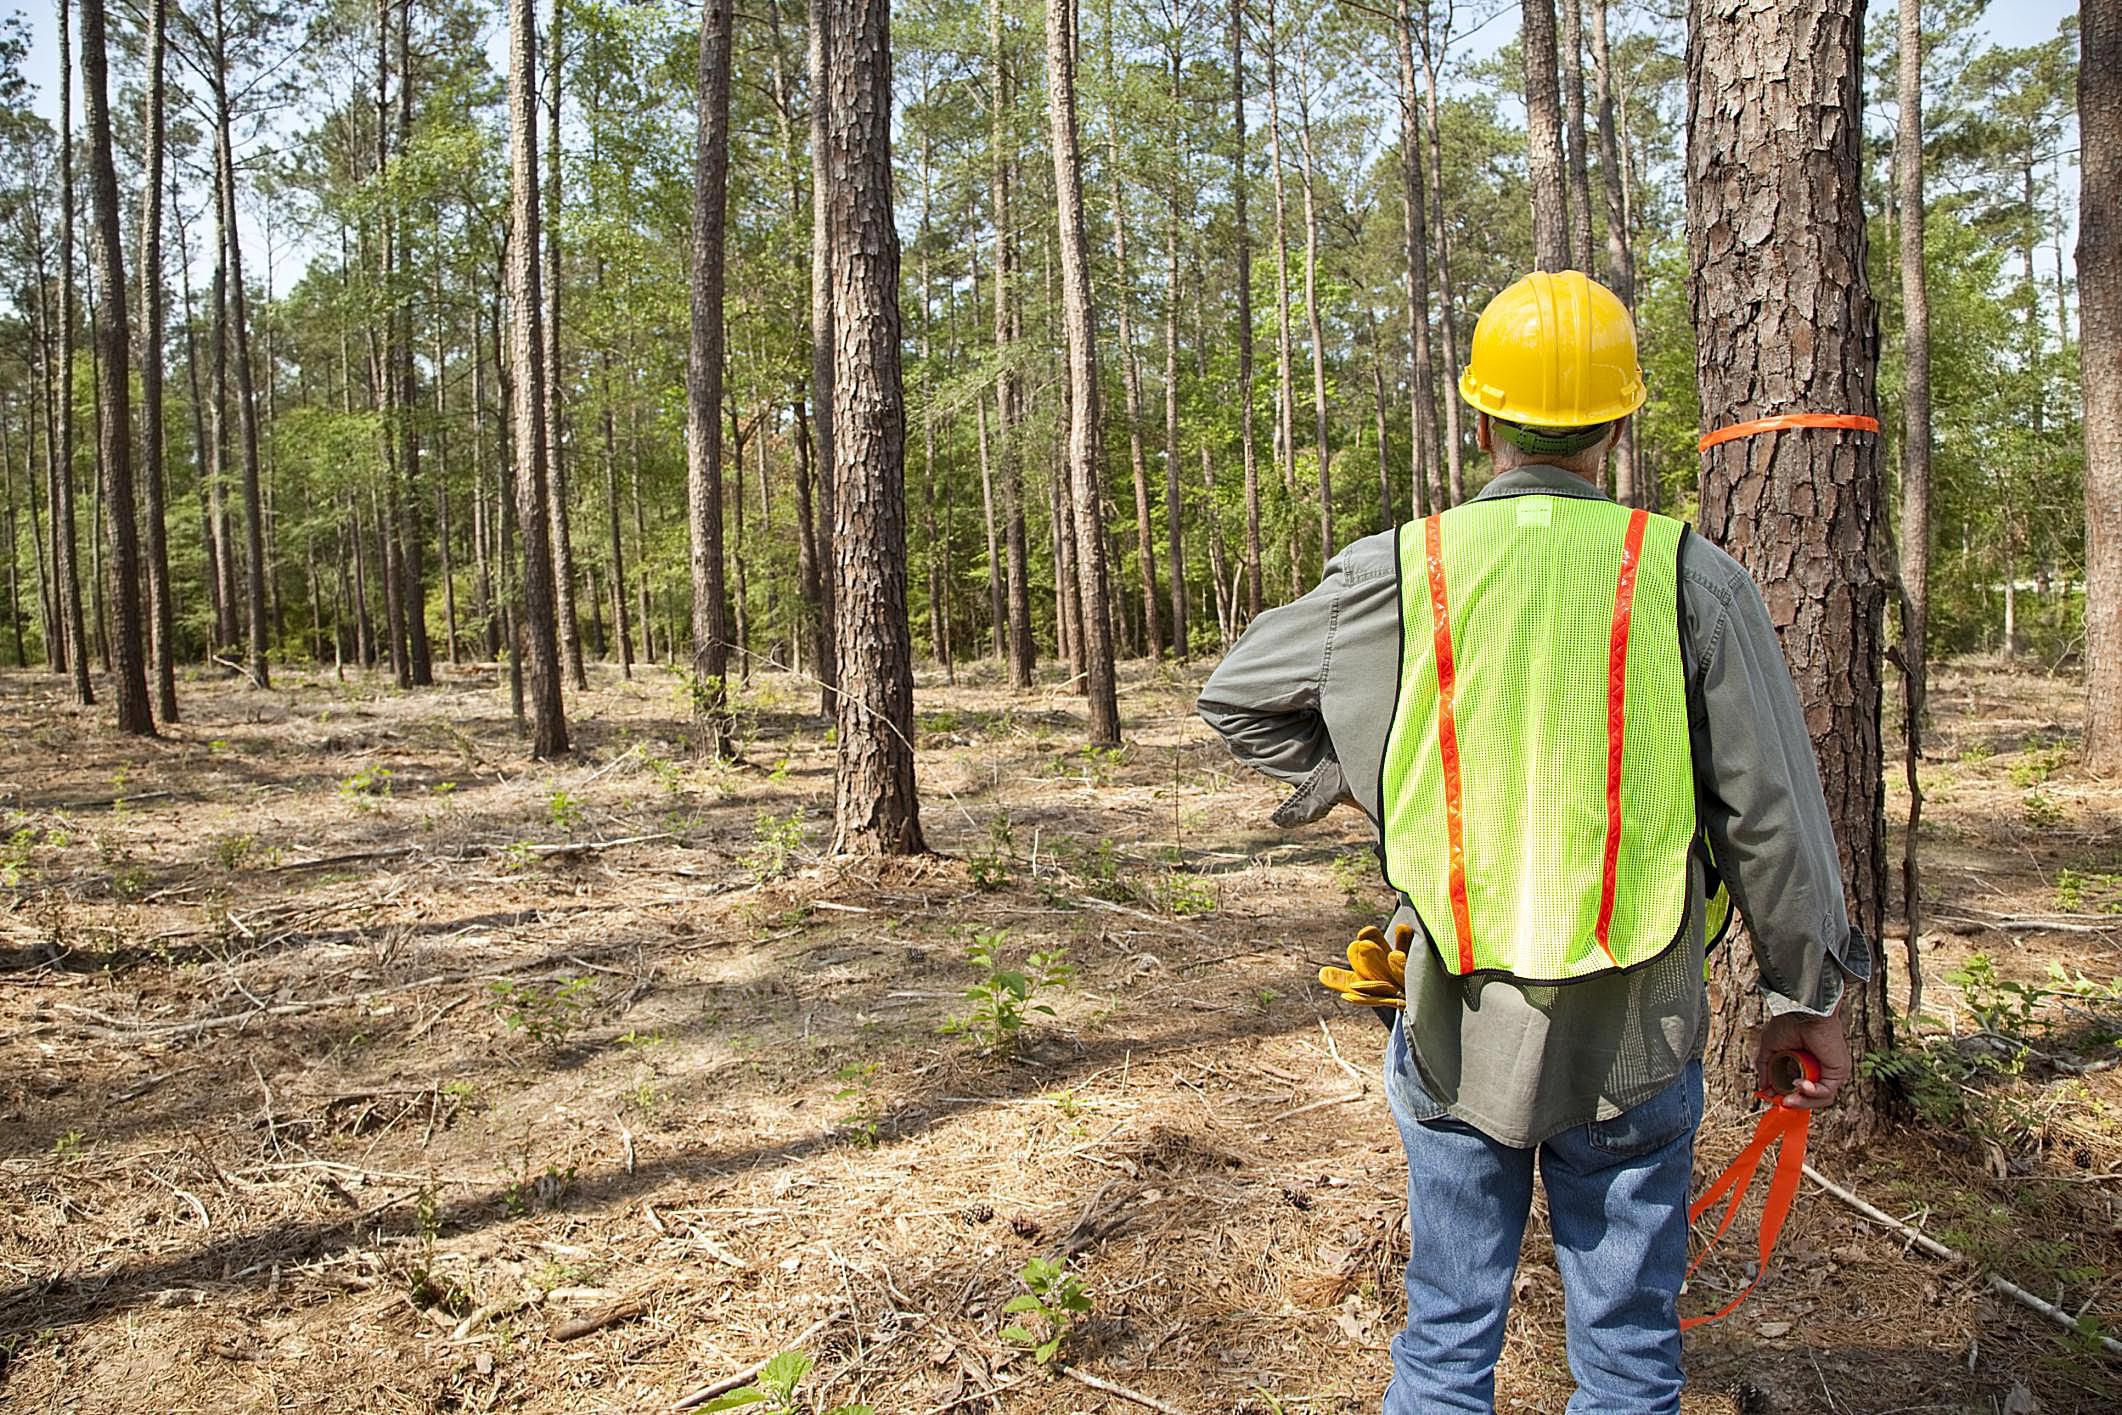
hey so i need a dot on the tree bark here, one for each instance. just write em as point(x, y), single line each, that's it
point(1285, 386)
point(114, 420)
point(1086, 460)
point(66, 557)
point(875, 808)
point(1620, 259)
point(162, 615)
point(1784, 322)
point(821, 356)
point(527, 391)
point(256, 570)
point(1422, 392)
point(1312, 324)
point(2100, 349)
point(1915, 473)
point(1580, 217)
point(555, 410)
point(1130, 366)
point(14, 542)
point(1543, 136)
point(703, 386)
point(1240, 179)
point(1174, 502)
point(1454, 483)
point(1023, 650)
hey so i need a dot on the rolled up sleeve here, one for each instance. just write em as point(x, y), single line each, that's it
point(1764, 812)
point(1263, 701)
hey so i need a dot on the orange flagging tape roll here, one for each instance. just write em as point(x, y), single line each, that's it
point(1784, 421)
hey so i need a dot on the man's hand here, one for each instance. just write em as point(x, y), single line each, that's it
point(1799, 1031)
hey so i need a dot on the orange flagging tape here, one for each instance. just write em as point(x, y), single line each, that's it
point(1782, 421)
point(1779, 1123)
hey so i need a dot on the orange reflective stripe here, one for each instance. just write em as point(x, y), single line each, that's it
point(1855, 422)
point(1616, 716)
point(1448, 737)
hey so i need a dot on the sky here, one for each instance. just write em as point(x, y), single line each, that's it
point(2006, 22)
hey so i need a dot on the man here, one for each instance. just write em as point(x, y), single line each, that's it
point(1558, 713)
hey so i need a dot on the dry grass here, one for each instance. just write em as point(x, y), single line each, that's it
point(332, 1088)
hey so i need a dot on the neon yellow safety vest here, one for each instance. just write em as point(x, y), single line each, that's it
point(1537, 787)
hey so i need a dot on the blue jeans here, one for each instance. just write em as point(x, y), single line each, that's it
point(1617, 1202)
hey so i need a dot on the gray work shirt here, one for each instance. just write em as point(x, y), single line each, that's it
point(1307, 696)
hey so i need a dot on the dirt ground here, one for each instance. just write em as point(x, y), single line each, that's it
point(347, 1058)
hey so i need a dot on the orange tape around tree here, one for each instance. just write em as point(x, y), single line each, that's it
point(1783, 422)
point(1782, 1129)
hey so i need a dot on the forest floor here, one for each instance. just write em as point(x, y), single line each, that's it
point(347, 1058)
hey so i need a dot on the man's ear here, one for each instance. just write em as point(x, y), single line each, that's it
point(1483, 438)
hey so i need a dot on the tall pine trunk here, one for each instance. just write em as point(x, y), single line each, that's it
point(1580, 211)
point(1543, 136)
point(1130, 366)
point(2100, 349)
point(1023, 651)
point(821, 353)
point(1313, 327)
point(875, 809)
point(1086, 460)
point(1422, 393)
point(162, 615)
point(1454, 482)
point(1240, 179)
point(1620, 259)
point(1285, 386)
point(1784, 322)
point(555, 411)
point(114, 411)
point(1915, 473)
point(526, 389)
point(66, 541)
point(703, 386)
point(1174, 502)
point(256, 569)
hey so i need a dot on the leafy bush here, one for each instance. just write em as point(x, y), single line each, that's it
point(1002, 997)
point(775, 1390)
point(1056, 1299)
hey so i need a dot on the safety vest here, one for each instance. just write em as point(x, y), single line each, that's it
point(1537, 788)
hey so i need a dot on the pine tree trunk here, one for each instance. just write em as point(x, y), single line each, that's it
point(1174, 502)
point(703, 387)
point(821, 359)
point(1086, 459)
point(114, 418)
point(1784, 322)
point(2100, 349)
point(162, 615)
point(938, 643)
point(1240, 179)
point(876, 811)
point(1915, 473)
point(1543, 136)
point(1580, 217)
point(811, 631)
point(526, 392)
point(997, 602)
point(14, 541)
point(1453, 484)
point(1422, 393)
point(66, 542)
point(256, 569)
point(1620, 260)
point(1023, 650)
point(555, 410)
point(1130, 366)
point(1327, 542)
point(1285, 385)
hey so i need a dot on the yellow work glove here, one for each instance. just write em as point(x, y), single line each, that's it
point(1376, 975)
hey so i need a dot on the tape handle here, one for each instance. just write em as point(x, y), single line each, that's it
point(1853, 422)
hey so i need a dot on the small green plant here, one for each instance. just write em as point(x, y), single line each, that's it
point(859, 1126)
point(233, 850)
point(546, 1191)
point(1186, 895)
point(20, 847)
point(543, 1014)
point(780, 771)
point(1056, 1299)
point(775, 1390)
point(990, 868)
point(2093, 891)
point(1102, 868)
point(366, 788)
point(563, 810)
point(2042, 811)
point(67, 1145)
point(775, 841)
point(2038, 763)
point(1003, 999)
point(518, 855)
point(634, 1040)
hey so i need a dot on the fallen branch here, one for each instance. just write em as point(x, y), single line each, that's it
point(1115, 1388)
point(702, 1396)
point(1343, 1099)
point(1932, 1246)
point(357, 857)
point(625, 1309)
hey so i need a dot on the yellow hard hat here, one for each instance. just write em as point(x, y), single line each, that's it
point(1554, 351)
